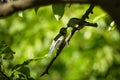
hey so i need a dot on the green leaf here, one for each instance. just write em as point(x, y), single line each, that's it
point(3, 46)
point(36, 9)
point(69, 5)
point(58, 10)
point(8, 56)
point(6, 51)
point(20, 14)
point(24, 70)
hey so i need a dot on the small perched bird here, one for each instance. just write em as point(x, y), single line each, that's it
point(58, 40)
point(75, 22)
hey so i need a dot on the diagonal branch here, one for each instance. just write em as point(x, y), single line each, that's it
point(68, 38)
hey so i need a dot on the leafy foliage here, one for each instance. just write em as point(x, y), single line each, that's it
point(92, 54)
point(5, 51)
point(58, 10)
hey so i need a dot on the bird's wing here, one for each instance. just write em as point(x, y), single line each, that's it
point(55, 44)
point(59, 41)
point(52, 47)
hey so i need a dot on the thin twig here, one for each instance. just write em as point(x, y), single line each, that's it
point(86, 15)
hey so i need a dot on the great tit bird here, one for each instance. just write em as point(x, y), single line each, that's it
point(58, 40)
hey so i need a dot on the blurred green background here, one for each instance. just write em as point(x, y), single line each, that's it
point(93, 53)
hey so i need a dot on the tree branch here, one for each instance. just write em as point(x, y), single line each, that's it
point(112, 7)
point(80, 25)
point(18, 5)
